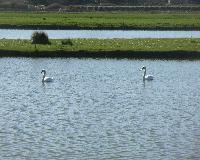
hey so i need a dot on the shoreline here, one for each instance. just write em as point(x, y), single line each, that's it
point(165, 55)
point(185, 48)
point(53, 27)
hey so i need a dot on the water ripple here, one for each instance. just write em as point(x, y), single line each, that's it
point(99, 109)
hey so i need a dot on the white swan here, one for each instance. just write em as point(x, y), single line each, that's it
point(46, 79)
point(146, 77)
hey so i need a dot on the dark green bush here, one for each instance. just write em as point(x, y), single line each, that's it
point(40, 38)
point(67, 42)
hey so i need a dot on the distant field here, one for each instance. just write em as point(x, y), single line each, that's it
point(100, 20)
point(96, 47)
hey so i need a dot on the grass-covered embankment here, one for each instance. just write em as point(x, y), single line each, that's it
point(110, 48)
point(100, 20)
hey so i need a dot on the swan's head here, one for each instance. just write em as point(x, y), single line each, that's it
point(143, 68)
point(43, 71)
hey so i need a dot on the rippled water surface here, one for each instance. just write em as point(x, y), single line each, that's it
point(99, 109)
point(101, 34)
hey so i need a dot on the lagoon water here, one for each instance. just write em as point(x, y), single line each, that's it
point(101, 34)
point(99, 109)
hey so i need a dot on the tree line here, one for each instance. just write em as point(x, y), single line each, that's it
point(113, 2)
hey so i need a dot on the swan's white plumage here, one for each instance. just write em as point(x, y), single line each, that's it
point(46, 79)
point(146, 77)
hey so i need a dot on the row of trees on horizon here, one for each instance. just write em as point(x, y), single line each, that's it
point(113, 2)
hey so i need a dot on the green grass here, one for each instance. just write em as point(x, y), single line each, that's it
point(102, 20)
point(96, 45)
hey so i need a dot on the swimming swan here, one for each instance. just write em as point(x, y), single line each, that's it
point(46, 79)
point(146, 77)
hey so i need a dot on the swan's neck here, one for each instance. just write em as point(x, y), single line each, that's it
point(43, 77)
point(144, 74)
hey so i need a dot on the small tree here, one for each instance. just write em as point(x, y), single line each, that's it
point(40, 38)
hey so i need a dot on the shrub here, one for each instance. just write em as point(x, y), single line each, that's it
point(67, 42)
point(40, 38)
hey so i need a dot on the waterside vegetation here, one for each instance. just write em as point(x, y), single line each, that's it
point(40, 38)
point(110, 48)
point(100, 20)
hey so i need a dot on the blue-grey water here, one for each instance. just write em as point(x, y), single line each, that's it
point(101, 34)
point(99, 109)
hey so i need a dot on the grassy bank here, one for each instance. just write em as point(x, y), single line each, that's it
point(115, 48)
point(101, 20)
